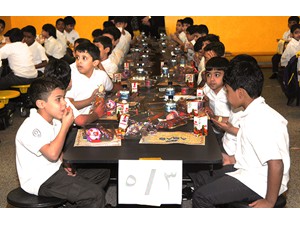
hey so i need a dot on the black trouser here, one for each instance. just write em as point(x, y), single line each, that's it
point(219, 189)
point(10, 79)
point(275, 62)
point(85, 190)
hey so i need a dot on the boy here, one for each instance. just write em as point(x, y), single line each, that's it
point(125, 39)
point(60, 69)
point(37, 50)
point(260, 172)
point(287, 36)
point(217, 106)
point(187, 21)
point(86, 77)
point(105, 46)
point(19, 58)
point(70, 33)
point(39, 143)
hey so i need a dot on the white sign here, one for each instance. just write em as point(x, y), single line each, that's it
point(150, 182)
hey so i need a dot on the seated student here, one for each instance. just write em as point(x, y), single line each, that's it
point(53, 48)
point(61, 37)
point(39, 143)
point(105, 46)
point(19, 58)
point(70, 32)
point(61, 70)
point(217, 105)
point(117, 54)
point(38, 52)
point(125, 39)
point(187, 21)
point(193, 33)
point(293, 47)
point(175, 36)
point(286, 37)
point(214, 49)
point(260, 172)
point(86, 78)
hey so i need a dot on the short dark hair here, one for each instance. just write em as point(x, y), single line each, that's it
point(2, 22)
point(108, 24)
point(202, 29)
point(243, 57)
point(41, 88)
point(81, 40)
point(217, 47)
point(50, 29)
point(59, 69)
point(114, 31)
point(212, 38)
point(188, 20)
point(90, 48)
point(105, 41)
point(199, 43)
point(29, 29)
point(120, 19)
point(14, 34)
point(97, 33)
point(69, 20)
point(293, 18)
point(59, 20)
point(246, 75)
point(218, 62)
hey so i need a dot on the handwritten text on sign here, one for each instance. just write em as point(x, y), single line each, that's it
point(150, 182)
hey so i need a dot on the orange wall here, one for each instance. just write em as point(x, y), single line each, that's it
point(249, 34)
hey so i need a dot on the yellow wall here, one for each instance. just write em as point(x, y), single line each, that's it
point(248, 34)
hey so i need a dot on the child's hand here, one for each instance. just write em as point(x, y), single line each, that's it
point(69, 169)
point(261, 203)
point(209, 112)
point(100, 109)
point(224, 125)
point(68, 117)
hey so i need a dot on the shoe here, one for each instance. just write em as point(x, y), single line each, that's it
point(187, 193)
point(274, 76)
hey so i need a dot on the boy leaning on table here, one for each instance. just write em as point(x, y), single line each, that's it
point(260, 172)
point(39, 143)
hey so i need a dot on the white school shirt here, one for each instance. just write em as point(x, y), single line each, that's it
point(291, 49)
point(38, 53)
point(20, 59)
point(109, 67)
point(229, 140)
point(201, 68)
point(262, 136)
point(62, 40)
point(72, 36)
point(54, 48)
point(182, 37)
point(217, 102)
point(124, 41)
point(83, 87)
point(117, 56)
point(32, 167)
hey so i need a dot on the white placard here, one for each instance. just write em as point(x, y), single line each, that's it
point(150, 182)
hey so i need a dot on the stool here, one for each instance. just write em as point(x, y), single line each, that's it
point(5, 95)
point(21, 199)
point(280, 203)
point(24, 99)
point(6, 111)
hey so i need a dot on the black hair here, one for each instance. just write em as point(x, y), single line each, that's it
point(212, 38)
point(243, 57)
point(120, 19)
point(295, 27)
point(115, 32)
point(202, 29)
point(199, 43)
point(188, 20)
point(69, 20)
point(41, 88)
point(81, 41)
point(90, 48)
point(14, 34)
point(105, 41)
point(246, 75)
point(217, 47)
point(219, 63)
point(2, 22)
point(50, 29)
point(107, 24)
point(59, 20)
point(59, 69)
point(191, 29)
point(293, 18)
point(29, 29)
point(180, 21)
point(97, 33)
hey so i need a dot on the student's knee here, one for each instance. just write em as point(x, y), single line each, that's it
point(200, 200)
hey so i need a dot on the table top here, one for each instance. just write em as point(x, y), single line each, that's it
point(5, 95)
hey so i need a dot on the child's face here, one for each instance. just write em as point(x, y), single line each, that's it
point(214, 79)
point(28, 38)
point(69, 27)
point(178, 27)
point(103, 53)
point(85, 63)
point(296, 34)
point(184, 26)
point(189, 36)
point(45, 34)
point(1, 28)
point(232, 97)
point(291, 23)
point(55, 106)
point(208, 55)
point(60, 26)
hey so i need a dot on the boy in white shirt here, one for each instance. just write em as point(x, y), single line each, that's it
point(40, 59)
point(19, 58)
point(39, 144)
point(187, 21)
point(125, 39)
point(260, 172)
point(53, 47)
point(86, 78)
point(60, 35)
point(69, 32)
point(105, 46)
